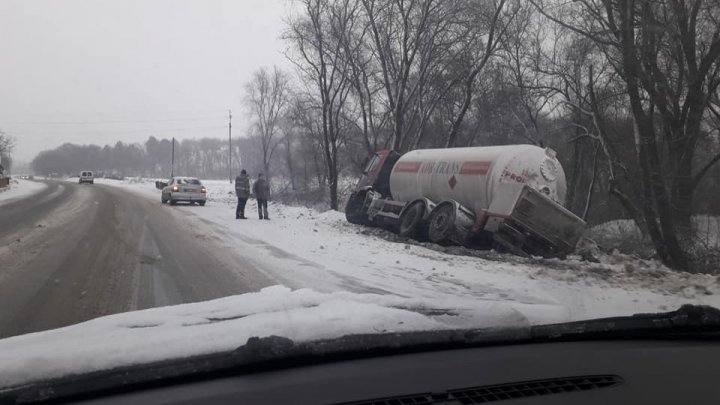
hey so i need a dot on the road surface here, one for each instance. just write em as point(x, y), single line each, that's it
point(76, 252)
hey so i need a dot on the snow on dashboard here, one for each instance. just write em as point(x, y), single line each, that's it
point(224, 324)
point(18, 189)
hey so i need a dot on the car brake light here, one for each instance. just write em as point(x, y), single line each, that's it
point(176, 189)
point(203, 190)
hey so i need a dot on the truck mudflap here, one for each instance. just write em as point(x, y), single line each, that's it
point(539, 226)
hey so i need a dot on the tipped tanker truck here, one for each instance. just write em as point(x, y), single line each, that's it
point(506, 197)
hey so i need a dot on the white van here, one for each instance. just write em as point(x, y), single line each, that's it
point(86, 177)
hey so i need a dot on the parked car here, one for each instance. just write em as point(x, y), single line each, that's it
point(86, 177)
point(188, 189)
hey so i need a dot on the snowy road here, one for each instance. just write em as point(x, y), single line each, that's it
point(71, 253)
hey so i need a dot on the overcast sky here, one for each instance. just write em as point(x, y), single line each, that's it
point(99, 71)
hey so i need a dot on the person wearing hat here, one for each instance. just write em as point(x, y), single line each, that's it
point(242, 190)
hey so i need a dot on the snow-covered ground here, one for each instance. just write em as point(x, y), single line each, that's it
point(335, 279)
point(303, 248)
point(19, 188)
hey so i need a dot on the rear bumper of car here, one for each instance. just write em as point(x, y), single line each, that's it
point(86, 180)
point(178, 196)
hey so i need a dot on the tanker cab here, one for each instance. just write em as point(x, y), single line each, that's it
point(377, 172)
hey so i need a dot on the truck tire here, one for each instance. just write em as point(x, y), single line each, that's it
point(503, 244)
point(354, 212)
point(441, 223)
point(412, 223)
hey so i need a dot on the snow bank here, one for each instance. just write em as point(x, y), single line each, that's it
point(612, 233)
point(18, 189)
point(225, 324)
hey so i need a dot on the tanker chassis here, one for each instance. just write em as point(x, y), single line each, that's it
point(504, 197)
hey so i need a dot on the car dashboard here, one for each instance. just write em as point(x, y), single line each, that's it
point(640, 371)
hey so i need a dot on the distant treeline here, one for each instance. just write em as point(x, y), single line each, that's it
point(206, 158)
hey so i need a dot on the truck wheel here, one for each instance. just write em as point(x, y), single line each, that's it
point(354, 212)
point(411, 221)
point(441, 223)
point(172, 202)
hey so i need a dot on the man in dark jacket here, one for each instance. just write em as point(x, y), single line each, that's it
point(242, 190)
point(261, 189)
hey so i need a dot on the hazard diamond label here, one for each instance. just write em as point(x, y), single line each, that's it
point(452, 182)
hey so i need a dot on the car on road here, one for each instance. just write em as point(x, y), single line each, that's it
point(86, 176)
point(187, 189)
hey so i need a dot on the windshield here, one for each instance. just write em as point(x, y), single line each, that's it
point(547, 171)
point(374, 160)
point(188, 181)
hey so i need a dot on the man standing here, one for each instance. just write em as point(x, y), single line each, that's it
point(261, 189)
point(242, 190)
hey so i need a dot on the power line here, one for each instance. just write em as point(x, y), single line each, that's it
point(91, 131)
point(230, 145)
point(215, 118)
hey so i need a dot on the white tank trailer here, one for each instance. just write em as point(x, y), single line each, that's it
point(506, 197)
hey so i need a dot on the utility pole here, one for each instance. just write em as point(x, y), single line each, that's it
point(230, 145)
point(172, 161)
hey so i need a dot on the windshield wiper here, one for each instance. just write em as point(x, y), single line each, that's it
point(689, 320)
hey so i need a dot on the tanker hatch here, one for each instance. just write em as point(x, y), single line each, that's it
point(549, 169)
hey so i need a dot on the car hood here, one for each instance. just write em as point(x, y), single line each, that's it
point(279, 324)
point(222, 325)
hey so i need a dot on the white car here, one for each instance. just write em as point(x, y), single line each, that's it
point(188, 189)
point(86, 177)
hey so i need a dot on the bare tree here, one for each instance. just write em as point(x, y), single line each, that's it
point(365, 90)
point(522, 58)
point(491, 24)
point(266, 96)
point(551, 70)
point(7, 144)
point(667, 55)
point(407, 41)
point(316, 36)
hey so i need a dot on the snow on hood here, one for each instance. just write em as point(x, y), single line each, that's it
point(224, 324)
